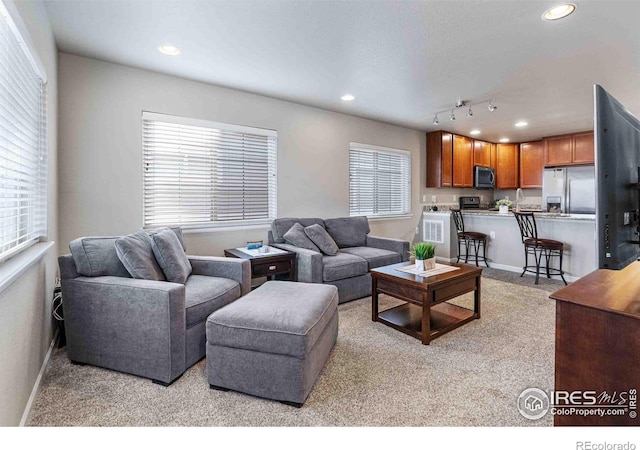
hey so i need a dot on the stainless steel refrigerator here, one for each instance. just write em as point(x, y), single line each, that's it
point(570, 190)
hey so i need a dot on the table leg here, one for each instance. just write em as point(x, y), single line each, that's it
point(292, 275)
point(374, 299)
point(476, 298)
point(426, 318)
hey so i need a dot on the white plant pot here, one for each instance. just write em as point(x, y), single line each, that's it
point(420, 264)
point(504, 209)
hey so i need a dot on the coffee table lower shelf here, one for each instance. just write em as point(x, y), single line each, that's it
point(408, 318)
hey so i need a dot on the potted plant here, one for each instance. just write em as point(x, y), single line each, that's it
point(504, 205)
point(425, 254)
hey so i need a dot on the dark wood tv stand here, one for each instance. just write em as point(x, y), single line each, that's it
point(598, 340)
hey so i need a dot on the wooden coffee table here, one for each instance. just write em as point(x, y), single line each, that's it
point(425, 314)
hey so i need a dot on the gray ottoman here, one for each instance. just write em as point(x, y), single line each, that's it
point(274, 341)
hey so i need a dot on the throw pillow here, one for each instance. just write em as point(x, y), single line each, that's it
point(136, 254)
point(170, 256)
point(321, 238)
point(296, 236)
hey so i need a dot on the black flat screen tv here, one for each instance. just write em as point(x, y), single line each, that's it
point(617, 161)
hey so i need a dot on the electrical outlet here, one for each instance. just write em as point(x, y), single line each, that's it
point(455, 198)
point(434, 199)
point(492, 234)
point(482, 199)
point(417, 230)
point(506, 197)
point(424, 199)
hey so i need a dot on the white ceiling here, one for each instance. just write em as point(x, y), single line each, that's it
point(403, 60)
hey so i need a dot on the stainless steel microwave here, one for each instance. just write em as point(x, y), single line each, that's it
point(483, 177)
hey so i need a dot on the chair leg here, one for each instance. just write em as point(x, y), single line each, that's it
point(466, 249)
point(547, 254)
point(526, 260)
point(484, 252)
point(476, 247)
point(538, 256)
point(459, 249)
point(561, 271)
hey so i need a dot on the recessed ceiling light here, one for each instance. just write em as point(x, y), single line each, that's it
point(503, 140)
point(347, 97)
point(521, 124)
point(474, 132)
point(169, 50)
point(559, 11)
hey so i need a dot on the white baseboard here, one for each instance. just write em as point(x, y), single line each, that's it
point(26, 415)
point(528, 274)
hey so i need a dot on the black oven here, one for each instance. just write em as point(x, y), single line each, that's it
point(483, 177)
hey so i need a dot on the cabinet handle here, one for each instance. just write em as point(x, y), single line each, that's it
point(272, 267)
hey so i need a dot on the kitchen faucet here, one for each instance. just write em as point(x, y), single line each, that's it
point(519, 194)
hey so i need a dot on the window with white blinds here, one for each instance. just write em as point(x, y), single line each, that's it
point(23, 168)
point(379, 181)
point(200, 174)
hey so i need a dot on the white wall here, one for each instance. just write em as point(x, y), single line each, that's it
point(101, 150)
point(26, 327)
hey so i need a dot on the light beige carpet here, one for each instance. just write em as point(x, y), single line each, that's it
point(376, 376)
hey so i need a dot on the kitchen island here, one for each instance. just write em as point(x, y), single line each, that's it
point(506, 251)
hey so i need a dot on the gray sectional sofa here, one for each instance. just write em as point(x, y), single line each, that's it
point(349, 268)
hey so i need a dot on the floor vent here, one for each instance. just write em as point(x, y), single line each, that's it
point(433, 231)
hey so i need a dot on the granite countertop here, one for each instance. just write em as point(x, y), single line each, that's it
point(538, 215)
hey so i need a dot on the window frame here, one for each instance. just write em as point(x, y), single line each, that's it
point(357, 146)
point(37, 214)
point(226, 127)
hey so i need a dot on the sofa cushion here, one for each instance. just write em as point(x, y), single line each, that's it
point(96, 256)
point(375, 257)
point(321, 238)
point(176, 230)
point(204, 295)
point(343, 265)
point(296, 236)
point(348, 231)
point(136, 255)
point(170, 256)
point(280, 226)
point(279, 317)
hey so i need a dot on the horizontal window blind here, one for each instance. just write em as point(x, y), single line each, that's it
point(23, 168)
point(199, 173)
point(379, 181)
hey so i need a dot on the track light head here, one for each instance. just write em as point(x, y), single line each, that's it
point(491, 106)
point(452, 116)
point(469, 113)
point(435, 120)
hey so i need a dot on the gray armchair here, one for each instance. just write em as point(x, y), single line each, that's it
point(358, 253)
point(153, 329)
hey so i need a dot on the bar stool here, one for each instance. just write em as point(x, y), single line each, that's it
point(469, 238)
point(538, 247)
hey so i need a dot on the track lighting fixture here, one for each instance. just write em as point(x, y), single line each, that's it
point(463, 103)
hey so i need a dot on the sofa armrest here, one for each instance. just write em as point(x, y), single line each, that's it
point(125, 324)
point(308, 263)
point(67, 267)
point(217, 266)
point(393, 245)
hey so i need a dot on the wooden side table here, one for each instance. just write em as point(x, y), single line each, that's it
point(269, 265)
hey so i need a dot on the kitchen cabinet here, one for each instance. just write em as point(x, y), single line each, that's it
point(507, 165)
point(569, 149)
point(531, 164)
point(439, 159)
point(481, 153)
point(462, 161)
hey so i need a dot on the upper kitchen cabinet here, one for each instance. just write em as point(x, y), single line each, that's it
point(439, 159)
point(481, 153)
point(507, 162)
point(531, 164)
point(462, 161)
point(569, 149)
